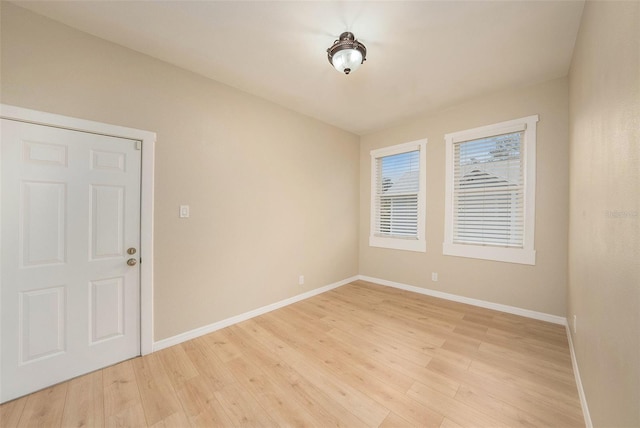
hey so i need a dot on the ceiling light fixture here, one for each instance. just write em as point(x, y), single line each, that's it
point(346, 54)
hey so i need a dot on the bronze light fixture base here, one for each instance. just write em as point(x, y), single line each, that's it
point(346, 54)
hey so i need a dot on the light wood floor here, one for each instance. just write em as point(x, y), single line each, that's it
point(360, 355)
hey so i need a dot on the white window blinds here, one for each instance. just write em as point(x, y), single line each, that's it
point(488, 191)
point(396, 195)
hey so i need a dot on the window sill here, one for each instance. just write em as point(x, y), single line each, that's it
point(419, 245)
point(509, 255)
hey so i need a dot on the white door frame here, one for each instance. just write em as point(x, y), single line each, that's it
point(148, 140)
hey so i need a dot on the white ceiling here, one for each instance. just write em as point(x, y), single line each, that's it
point(422, 55)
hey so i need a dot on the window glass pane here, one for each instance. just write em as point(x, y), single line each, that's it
point(397, 185)
point(400, 173)
point(489, 192)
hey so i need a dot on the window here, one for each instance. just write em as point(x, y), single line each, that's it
point(398, 180)
point(490, 192)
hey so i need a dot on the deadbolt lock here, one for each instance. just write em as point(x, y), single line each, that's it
point(132, 262)
point(131, 250)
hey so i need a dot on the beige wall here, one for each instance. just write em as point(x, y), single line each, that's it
point(604, 244)
point(273, 194)
point(541, 287)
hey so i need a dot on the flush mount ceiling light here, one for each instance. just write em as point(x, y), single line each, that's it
point(346, 54)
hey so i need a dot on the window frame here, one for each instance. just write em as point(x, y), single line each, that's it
point(418, 244)
point(526, 254)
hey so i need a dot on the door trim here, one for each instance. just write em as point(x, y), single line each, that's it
point(148, 140)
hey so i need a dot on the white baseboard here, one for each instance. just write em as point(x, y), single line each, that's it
point(197, 332)
point(475, 302)
point(576, 372)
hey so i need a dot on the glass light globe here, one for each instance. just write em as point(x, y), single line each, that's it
point(347, 60)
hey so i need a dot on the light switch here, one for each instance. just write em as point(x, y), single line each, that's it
point(184, 211)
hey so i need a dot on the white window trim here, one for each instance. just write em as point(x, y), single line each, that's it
point(525, 255)
point(419, 244)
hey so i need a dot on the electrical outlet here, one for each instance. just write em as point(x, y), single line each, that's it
point(575, 321)
point(434, 276)
point(184, 211)
point(301, 280)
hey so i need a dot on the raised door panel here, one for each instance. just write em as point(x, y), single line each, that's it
point(108, 161)
point(106, 312)
point(43, 223)
point(107, 221)
point(45, 153)
point(42, 315)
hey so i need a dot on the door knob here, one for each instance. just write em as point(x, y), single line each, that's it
point(132, 262)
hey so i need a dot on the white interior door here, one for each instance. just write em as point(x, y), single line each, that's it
point(70, 213)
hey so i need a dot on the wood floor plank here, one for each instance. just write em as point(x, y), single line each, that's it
point(357, 402)
point(388, 343)
point(159, 399)
point(438, 328)
point(362, 355)
point(487, 403)
point(11, 412)
point(128, 417)
point(270, 395)
point(45, 407)
point(324, 346)
point(548, 372)
point(519, 342)
point(381, 317)
point(242, 408)
point(85, 402)
point(394, 421)
point(401, 365)
point(296, 310)
point(381, 388)
point(120, 390)
point(177, 365)
point(453, 409)
point(524, 378)
point(412, 410)
point(225, 349)
point(301, 390)
point(556, 412)
point(448, 423)
point(174, 420)
point(208, 364)
point(200, 405)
